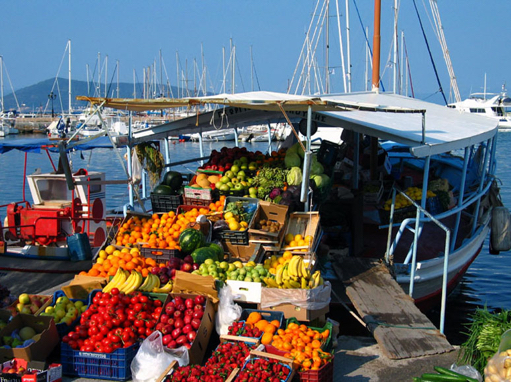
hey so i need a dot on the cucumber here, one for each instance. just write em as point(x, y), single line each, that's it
point(442, 377)
point(445, 371)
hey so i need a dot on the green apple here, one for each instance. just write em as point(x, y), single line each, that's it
point(63, 299)
point(238, 264)
point(241, 174)
point(230, 185)
point(49, 309)
point(244, 160)
point(209, 261)
point(236, 162)
point(235, 169)
point(238, 186)
point(229, 174)
point(225, 179)
point(68, 320)
point(24, 298)
point(244, 167)
point(83, 308)
point(60, 313)
point(79, 304)
point(252, 166)
point(223, 187)
point(235, 181)
point(224, 265)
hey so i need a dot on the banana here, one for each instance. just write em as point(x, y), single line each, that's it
point(145, 284)
point(321, 280)
point(167, 288)
point(157, 282)
point(287, 285)
point(299, 267)
point(152, 282)
point(270, 282)
point(285, 273)
point(127, 283)
point(294, 284)
point(305, 270)
point(138, 281)
point(316, 279)
point(278, 276)
point(304, 283)
point(293, 266)
point(115, 280)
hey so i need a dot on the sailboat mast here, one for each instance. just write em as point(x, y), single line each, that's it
point(2, 80)
point(396, 13)
point(348, 48)
point(327, 38)
point(69, 78)
point(376, 45)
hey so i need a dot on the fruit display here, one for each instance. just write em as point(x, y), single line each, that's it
point(255, 326)
point(206, 180)
point(302, 344)
point(293, 241)
point(180, 320)
point(171, 184)
point(64, 310)
point(264, 370)
point(28, 304)
point(414, 193)
point(226, 357)
point(249, 272)
point(20, 338)
point(237, 215)
point(114, 320)
point(291, 272)
point(190, 240)
point(129, 282)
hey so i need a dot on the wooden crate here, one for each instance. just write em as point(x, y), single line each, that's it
point(305, 224)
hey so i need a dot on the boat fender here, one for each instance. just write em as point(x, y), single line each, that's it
point(500, 238)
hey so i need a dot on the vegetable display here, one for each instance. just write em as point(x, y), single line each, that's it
point(269, 178)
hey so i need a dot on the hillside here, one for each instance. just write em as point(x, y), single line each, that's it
point(34, 98)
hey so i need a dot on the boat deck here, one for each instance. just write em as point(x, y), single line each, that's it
point(399, 327)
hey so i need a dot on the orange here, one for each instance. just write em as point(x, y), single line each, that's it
point(269, 328)
point(261, 324)
point(276, 323)
point(266, 339)
point(253, 318)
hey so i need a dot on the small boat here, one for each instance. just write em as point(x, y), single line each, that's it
point(7, 128)
point(496, 106)
point(215, 136)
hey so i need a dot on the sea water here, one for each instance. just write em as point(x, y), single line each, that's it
point(487, 281)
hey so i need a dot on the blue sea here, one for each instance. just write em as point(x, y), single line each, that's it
point(487, 282)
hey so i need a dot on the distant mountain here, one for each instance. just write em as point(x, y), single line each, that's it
point(35, 98)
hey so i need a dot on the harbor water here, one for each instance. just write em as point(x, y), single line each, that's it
point(486, 282)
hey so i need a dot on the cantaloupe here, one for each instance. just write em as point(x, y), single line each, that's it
point(204, 183)
point(200, 177)
point(213, 178)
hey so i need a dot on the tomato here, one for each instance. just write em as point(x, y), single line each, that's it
point(115, 291)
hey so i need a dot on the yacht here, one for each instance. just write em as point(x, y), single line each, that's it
point(496, 106)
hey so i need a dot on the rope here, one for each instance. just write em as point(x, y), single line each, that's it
point(292, 127)
point(429, 51)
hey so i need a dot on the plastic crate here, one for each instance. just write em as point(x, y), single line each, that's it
point(324, 374)
point(165, 203)
point(326, 345)
point(268, 315)
point(62, 327)
point(160, 255)
point(112, 366)
point(287, 365)
point(238, 237)
point(197, 202)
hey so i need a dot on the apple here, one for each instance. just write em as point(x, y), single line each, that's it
point(24, 299)
point(229, 174)
point(186, 267)
point(188, 259)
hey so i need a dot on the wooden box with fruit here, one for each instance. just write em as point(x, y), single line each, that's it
point(302, 232)
point(29, 304)
point(238, 214)
point(20, 370)
point(268, 225)
point(266, 367)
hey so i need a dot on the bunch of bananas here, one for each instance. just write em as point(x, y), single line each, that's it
point(150, 282)
point(294, 273)
point(167, 288)
point(125, 281)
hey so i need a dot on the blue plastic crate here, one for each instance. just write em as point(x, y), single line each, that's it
point(63, 328)
point(112, 366)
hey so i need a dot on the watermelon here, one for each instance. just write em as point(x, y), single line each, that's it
point(191, 239)
point(201, 254)
point(163, 190)
point(218, 249)
point(173, 179)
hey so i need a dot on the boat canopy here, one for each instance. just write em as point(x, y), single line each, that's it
point(34, 145)
point(427, 128)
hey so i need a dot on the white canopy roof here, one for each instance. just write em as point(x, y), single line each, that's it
point(387, 116)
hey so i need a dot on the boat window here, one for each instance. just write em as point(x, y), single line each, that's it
point(52, 189)
point(498, 110)
point(95, 187)
point(476, 110)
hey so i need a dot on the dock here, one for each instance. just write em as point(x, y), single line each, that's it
point(401, 330)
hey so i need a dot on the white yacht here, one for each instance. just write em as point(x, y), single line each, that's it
point(497, 106)
point(7, 128)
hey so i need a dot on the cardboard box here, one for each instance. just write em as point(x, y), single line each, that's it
point(244, 253)
point(207, 326)
point(305, 224)
point(36, 311)
point(189, 283)
point(249, 292)
point(80, 287)
point(272, 212)
point(298, 312)
point(37, 371)
point(39, 350)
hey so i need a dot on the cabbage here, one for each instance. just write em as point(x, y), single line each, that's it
point(275, 192)
point(326, 179)
point(297, 149)
point(316, 167)
point(294, 176)
point(292, 160)
point(318, 180)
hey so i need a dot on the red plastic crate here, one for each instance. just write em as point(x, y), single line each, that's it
point(324, 374)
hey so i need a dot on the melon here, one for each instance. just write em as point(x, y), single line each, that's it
point(218, 249)
point(191, 239)
point(202, 254)
point(173, 179)
point(163, 189)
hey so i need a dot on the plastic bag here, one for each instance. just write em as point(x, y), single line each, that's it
point(467, 370)
point(228, 310)
point(151, 359)
point(498, 367)
point(136, 168)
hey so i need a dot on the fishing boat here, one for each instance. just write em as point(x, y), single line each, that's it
point(495, 106)
point(63, 203)
point(421, 142)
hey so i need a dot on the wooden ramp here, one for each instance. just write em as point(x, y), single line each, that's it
point(399, 327)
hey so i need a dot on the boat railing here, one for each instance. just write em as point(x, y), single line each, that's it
point(415, 225)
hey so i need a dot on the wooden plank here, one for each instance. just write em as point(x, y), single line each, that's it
point(398, 326)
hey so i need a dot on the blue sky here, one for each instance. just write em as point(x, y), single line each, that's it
point(132, 33)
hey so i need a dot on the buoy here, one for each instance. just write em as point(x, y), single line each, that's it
point(500, 238)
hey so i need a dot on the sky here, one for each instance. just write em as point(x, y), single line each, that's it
point(190, 37)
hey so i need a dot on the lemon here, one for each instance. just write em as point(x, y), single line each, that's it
point(234, 225)
point(103, 254)
point(302, 243)
point(117, 253)
point(292, 243)
point(298, 237)
point(287, 255)
point(244, 224)
point(100, 260)
point(134, 250)
point(308, 238)
point(289, 237)
point(228, 215)
point(110, 249)
point(125, 250)
point(281, 261)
